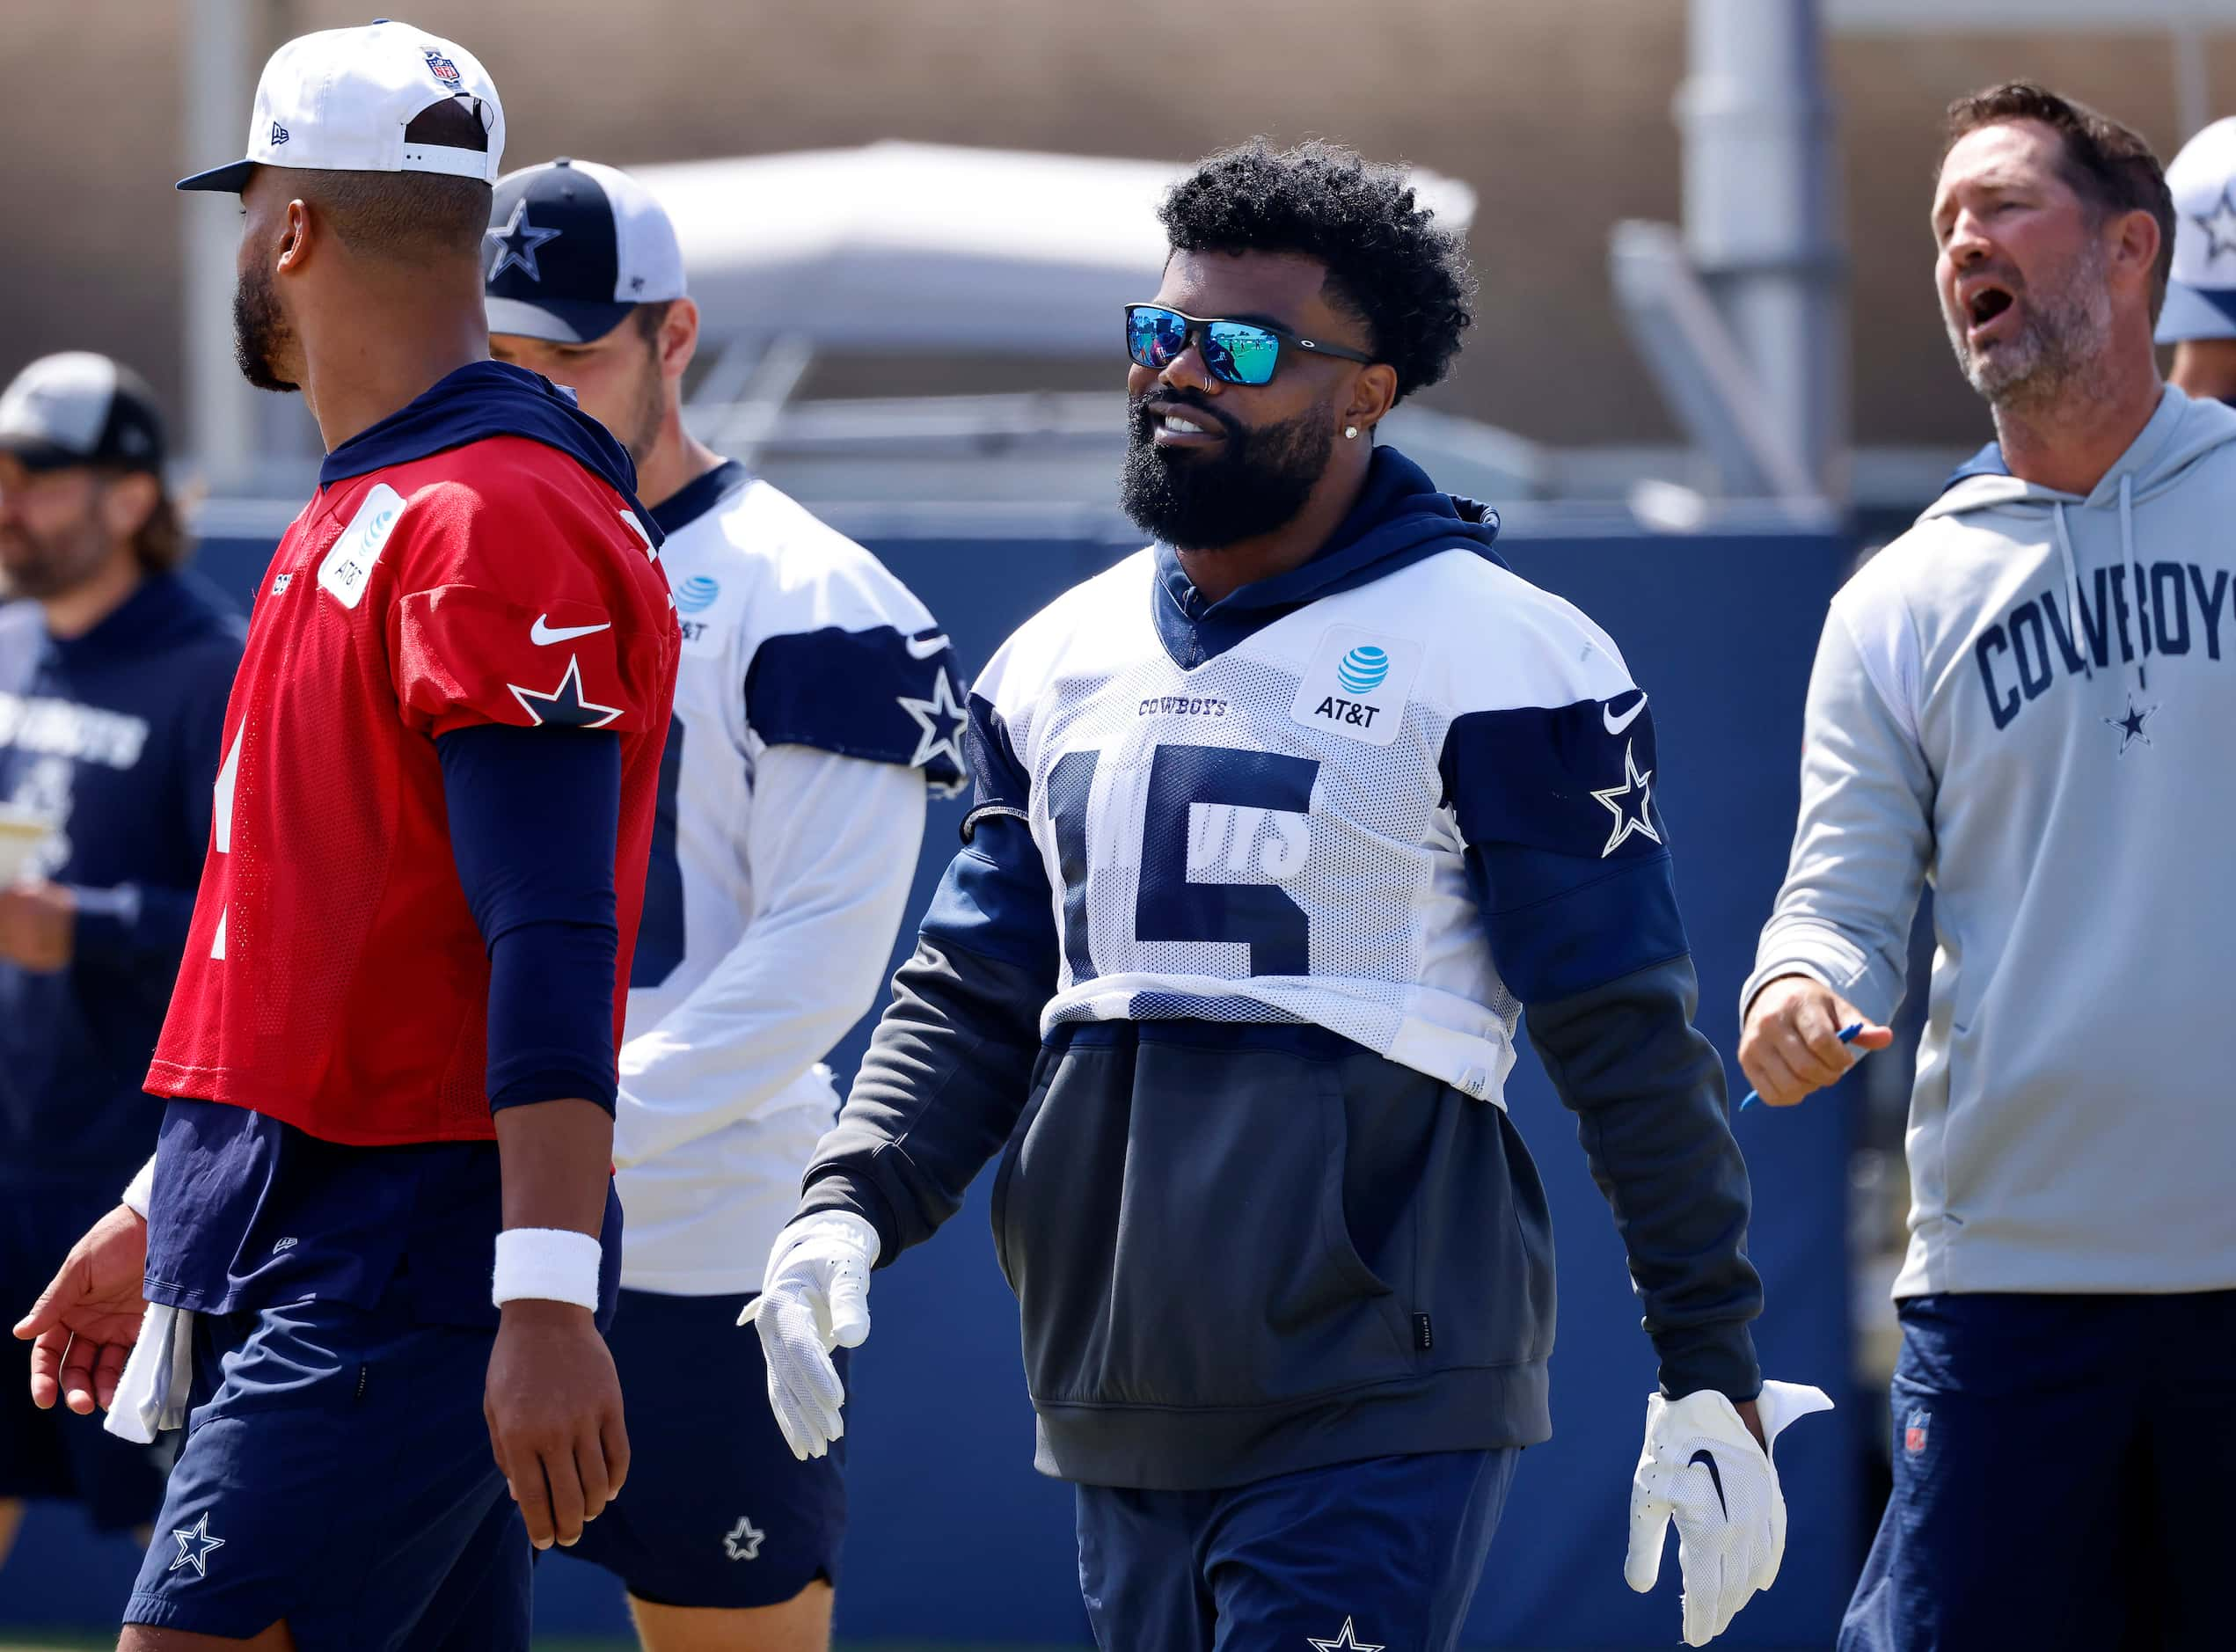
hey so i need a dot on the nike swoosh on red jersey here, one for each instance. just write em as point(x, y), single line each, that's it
point(543, 633)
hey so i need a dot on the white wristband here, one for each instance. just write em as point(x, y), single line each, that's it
point(141, 1192)
point(550, 1264)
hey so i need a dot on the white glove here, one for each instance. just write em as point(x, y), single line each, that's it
point(1702, 1467)
point(815, 1296)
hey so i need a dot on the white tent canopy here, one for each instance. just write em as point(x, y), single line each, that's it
point(902, 247)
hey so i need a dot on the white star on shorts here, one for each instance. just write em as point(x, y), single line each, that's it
point(1344, 1642)
point(194, 1544)
point(744, 1540)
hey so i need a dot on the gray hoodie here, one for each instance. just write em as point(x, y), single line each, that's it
point(2029, 700)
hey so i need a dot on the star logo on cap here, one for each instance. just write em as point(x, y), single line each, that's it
point(517, 243)
point(2220, 225)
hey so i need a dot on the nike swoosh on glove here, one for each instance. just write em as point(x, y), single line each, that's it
point(815, 1296)
point(1702, 1468)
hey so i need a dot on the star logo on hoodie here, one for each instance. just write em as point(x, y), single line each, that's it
point(2130, 726)
point(1631, 803)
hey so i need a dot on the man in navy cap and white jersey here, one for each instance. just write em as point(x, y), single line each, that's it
point(113, 672)
point(814, 700)
point(2199, 319)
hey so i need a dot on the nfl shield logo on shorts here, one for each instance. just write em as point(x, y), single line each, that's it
point(1913, 1434)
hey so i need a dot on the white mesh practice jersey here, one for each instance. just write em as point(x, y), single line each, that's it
point(814, 699)
point(1281, 831)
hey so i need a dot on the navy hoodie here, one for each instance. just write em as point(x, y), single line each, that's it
point(115, 736)
point(1163, 1352)
point(1401, 517)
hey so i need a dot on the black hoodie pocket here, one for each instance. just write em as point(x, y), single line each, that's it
point(1170, 1217)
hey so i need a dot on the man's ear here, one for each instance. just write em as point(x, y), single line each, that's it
point(678, 338)
point(128, 502)
point(2136, 242)
point(1373, 393)
point(301, 233)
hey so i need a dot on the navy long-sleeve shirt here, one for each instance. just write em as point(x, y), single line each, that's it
point(114, 735)
point(250, 1211)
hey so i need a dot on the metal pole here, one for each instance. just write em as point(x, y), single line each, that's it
point(2193, 101)
point(1762, 213)
point(218, 82)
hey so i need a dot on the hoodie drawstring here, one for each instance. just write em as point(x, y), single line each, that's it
point(2127, 555)
point(2072, 577)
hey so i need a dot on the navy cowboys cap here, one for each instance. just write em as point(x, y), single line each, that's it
point(80, 408)
point(574, 246)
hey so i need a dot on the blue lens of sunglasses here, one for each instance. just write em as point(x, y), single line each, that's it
point(1235, 351)
point(1240, 352)
point(1154, 336)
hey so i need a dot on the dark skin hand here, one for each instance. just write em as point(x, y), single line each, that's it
point(1753, 1418)
point(1289, 290)
point(553, 1401)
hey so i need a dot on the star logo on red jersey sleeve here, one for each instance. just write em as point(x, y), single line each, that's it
point(564, 706)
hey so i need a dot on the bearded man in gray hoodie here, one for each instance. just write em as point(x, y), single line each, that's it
point(2028, 700)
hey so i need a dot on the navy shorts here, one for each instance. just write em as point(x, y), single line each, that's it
point(2062, 1476)
point(1385, 1552)
point(56, 1453)
point(337, 1475)
point(717, 1511)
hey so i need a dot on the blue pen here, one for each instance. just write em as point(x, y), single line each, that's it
point(1848, 1035)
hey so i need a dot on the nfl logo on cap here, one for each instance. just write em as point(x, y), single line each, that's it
point(344, 100)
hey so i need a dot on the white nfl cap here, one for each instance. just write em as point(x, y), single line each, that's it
point(2201, 297)
point(572, 247)
point(338, 100)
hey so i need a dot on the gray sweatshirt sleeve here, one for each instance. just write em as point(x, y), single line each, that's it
point(1864, 834)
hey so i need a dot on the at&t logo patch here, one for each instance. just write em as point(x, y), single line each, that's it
point(1356, 684)
point(1362, 670)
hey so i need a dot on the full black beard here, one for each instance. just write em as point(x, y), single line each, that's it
point(1255, 483)
point(260, 331)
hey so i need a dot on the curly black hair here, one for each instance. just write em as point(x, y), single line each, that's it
point(1389, 262)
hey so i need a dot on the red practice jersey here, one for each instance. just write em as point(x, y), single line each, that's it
point(334, 977)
